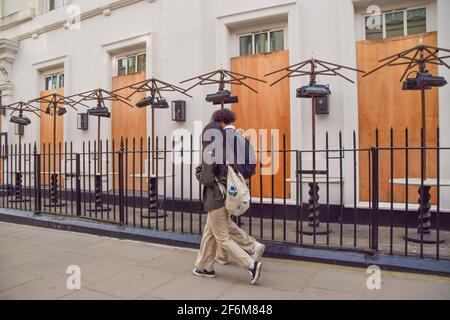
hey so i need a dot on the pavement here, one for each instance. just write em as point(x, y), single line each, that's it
point(34, 264)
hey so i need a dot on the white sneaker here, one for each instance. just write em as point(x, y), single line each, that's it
point(258, 251)
point(255, 272)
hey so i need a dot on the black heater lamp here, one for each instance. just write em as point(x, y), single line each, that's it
point(99, 111)
point(314, 91)
point(20, 120)
point(62, 111)
point(423, 80)
point(222, 97)
point(145, 102)
point(161, 103)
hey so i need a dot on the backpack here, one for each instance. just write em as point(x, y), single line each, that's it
point(236, 193)
point(244, 154)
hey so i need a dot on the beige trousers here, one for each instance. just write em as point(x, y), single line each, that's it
point(242, 238)
point(216, 234)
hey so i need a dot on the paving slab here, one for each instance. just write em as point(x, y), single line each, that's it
point(88, 294)
point(133, 282)
point(118, 269)
point(12, 277)
point(189, 287)
point(48, 288)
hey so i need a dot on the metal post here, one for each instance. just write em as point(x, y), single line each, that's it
point(375, 203)
point(78, 183)
point(37, 182)
point(121, 191)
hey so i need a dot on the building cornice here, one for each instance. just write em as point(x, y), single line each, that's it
point(83, 16)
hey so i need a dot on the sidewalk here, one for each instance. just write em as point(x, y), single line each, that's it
point(33, 263)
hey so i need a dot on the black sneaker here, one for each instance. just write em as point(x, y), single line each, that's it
point(255, 272)
point(204, 273)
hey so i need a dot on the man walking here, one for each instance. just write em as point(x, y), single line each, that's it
point(237, 150)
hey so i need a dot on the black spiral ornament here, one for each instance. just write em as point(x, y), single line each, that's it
point(314, 205)
point(18, 188)
point(424, 210)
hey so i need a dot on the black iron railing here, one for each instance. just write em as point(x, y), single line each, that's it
point(359, 199)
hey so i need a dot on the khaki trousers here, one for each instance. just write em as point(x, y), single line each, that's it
point(216, 234)
point(242, 238)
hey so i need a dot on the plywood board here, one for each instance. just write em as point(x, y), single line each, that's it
point(384, 105)
point(130, 124)
point(268, 110)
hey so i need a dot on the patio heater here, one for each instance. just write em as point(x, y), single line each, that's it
point(415, 61)
point(155, 100)
point(313, 91)
point(20, 119)
point(55, 107)
point(100, 111)
point(222, 77)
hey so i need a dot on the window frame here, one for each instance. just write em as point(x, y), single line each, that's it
point(47, 6)
point(253, 35)
point(58, 76)
point(126, 57)
point(405, 21)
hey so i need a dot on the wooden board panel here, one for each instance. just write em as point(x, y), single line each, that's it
point(269, 109)
point(46, 138)
point(384, 105)
point(131, 125)
point(46, 123)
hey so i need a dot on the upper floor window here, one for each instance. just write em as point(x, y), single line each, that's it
point(131, 64)
point(261, 42)
point(396, 23)
point(55, 4)
point(54, 81)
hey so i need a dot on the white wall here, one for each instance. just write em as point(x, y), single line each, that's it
point(12, 6)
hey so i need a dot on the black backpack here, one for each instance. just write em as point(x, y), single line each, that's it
point(244, 158)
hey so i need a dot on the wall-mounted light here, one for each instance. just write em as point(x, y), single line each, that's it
point(322, 105)
point(83, 121)
point(179, 111)
point(19, 129)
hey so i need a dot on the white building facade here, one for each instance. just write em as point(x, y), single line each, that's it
point(80, 44)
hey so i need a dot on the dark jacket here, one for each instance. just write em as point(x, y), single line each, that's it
point(213, 198)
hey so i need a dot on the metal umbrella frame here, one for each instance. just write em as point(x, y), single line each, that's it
point(155, 100)
point(156, 88)
point(20, 108)
point(417, 58)
point(222, 77)
point(56, 104)
point(100, 96)
point(100, 111)
point(313, 68)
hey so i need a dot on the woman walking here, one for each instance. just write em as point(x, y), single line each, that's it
point(212, 171)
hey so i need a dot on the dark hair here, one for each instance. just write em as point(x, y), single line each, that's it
point(220, 170)
point(225, 115)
